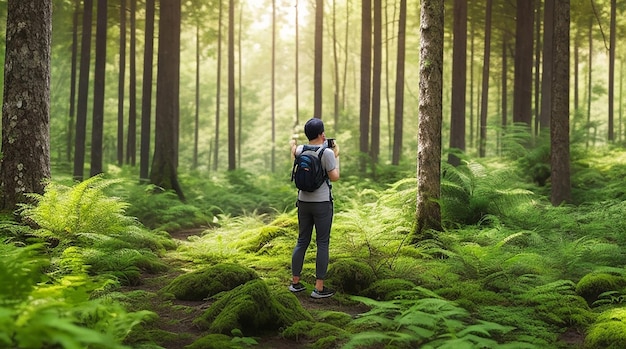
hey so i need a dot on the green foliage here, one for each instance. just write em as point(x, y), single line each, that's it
point(387, 289)
point(64, 314)
point(609, 330)
point(350, 276)
point(324, 335)
point(216, 341)
point(209, 281)
point(251, 308)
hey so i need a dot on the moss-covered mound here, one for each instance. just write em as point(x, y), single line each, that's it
point(351, 276)
point(594, 284)
point(387, 289)
point(253, 309)
point(209, 281)
point(259, 239)
point(324, 335)
point(609, 330)
point(214, 341)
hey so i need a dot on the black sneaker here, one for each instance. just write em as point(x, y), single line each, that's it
point(324, 293)
point(297, 287)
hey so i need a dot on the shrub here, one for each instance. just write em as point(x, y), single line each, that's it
point(350, 276)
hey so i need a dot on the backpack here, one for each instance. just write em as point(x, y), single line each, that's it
point(307, 172)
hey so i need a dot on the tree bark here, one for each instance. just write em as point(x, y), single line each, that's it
point(559, 123)
point(366, 74)
point(165, 161)
point(146, 90)
point(319, 54)
point(120, 85)
point(548, 61)
point(131, 141)
point(232, 165)
point(25, 164)
point(485, 85)
point(459, 82)
point(376, 83)
point(218, 91)
point(430, 119)
point(97, 127)
point(399, 101)
point(523, 62)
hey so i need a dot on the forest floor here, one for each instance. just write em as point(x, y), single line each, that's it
point(176, 316)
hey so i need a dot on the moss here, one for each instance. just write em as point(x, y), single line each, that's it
point(209, 281)
point(609, 331)
point(335, 318)
point(252, 309)
point(470, 295)
point(387, 289)
point(213, 341)
point(592, 285)
point(287, 221)
point(350, 276)
point(259, 238)
point(312, 330)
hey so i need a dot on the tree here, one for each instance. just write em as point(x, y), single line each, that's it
point(319, 54)
point(376, 82)
point(459, 81)
point(131, 141)
point(430, 119)
point(83, 90)
point(273, 160)
point(97, 127)
point(165, 161)
point(72, 113)
point(25, 162)
point(548, 61)
point(485, 86)
point(121, 84)
point(366, 75)
point(399, 105)
point(231, 86)
point(611, 86)
point(146, 90)
point(218, 82)
point(523, 62)
point(559, 121)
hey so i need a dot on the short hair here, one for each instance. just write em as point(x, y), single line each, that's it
point(313, 128)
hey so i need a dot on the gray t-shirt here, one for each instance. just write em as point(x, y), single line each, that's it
point(322, 193)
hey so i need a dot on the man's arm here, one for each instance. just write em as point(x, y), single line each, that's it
point(333, 174)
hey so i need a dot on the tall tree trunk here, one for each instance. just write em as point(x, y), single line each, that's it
point(83, 91)
point(548, 60)
point(97, 127)
point(319, 54)
point(273, 163)
point(612, 72)
point(196, 121)
point(559, 123)
point(231, 86)
point(537, 80)
point(335, 69)
point(131, 141)
point(366, 74)
point(485, 89)
point(121, 84)
point(240, 86)
point(146, 90)
point(589, 81)
point(165, 161)
point(346, 45)
point(459, 82)
point(218, 89)
point(523, 62)
point(504, 109)
point(376, 83)
point(25, 163)
point(399, 105)
point(297, 70)
point(72, 113)
point(428, 214)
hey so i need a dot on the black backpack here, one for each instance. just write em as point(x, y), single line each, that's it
point(307, 172)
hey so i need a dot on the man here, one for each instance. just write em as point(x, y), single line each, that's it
point(315, 209)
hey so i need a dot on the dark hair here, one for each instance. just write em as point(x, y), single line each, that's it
point(313, 128)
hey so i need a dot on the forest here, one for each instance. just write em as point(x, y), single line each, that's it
point(146, 198)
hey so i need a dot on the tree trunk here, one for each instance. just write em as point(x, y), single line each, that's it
point(164, 164)
point(523, 62)
point(131, 141)
point(232, 165)
point(196, 121)
point(548, 60)
point(366, 74)
point(589, 82)
point(559, 123)
point(399, 106)
point(319, 54)
point(376, 83)
point(430, 119)
point(485, 89)
point(459, 81)
point(146, 90)
point(25, 164)
point(97, 127)
point(83, 91)
point(72, 113)
point(120, 85)
point(273, 82)
point(218, 93)
point(335, 69)
point(611, 86)
point(297, 69)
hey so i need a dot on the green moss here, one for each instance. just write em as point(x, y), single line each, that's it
point(609, 331)
point(471, 295)
point(313, 330)
point(214, 341)
point(592, 285)
point(252, 309)
point(350, 276)
point(207, 282)
point(287, 221)
point(387, 289)
point(335, 318)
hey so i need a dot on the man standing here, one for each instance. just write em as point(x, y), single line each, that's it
point(315, 209)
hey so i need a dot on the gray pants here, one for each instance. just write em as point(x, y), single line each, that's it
point(310, 214)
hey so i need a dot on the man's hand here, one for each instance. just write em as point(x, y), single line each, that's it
point(336, 149)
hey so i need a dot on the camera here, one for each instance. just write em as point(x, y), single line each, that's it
point(330, 142)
